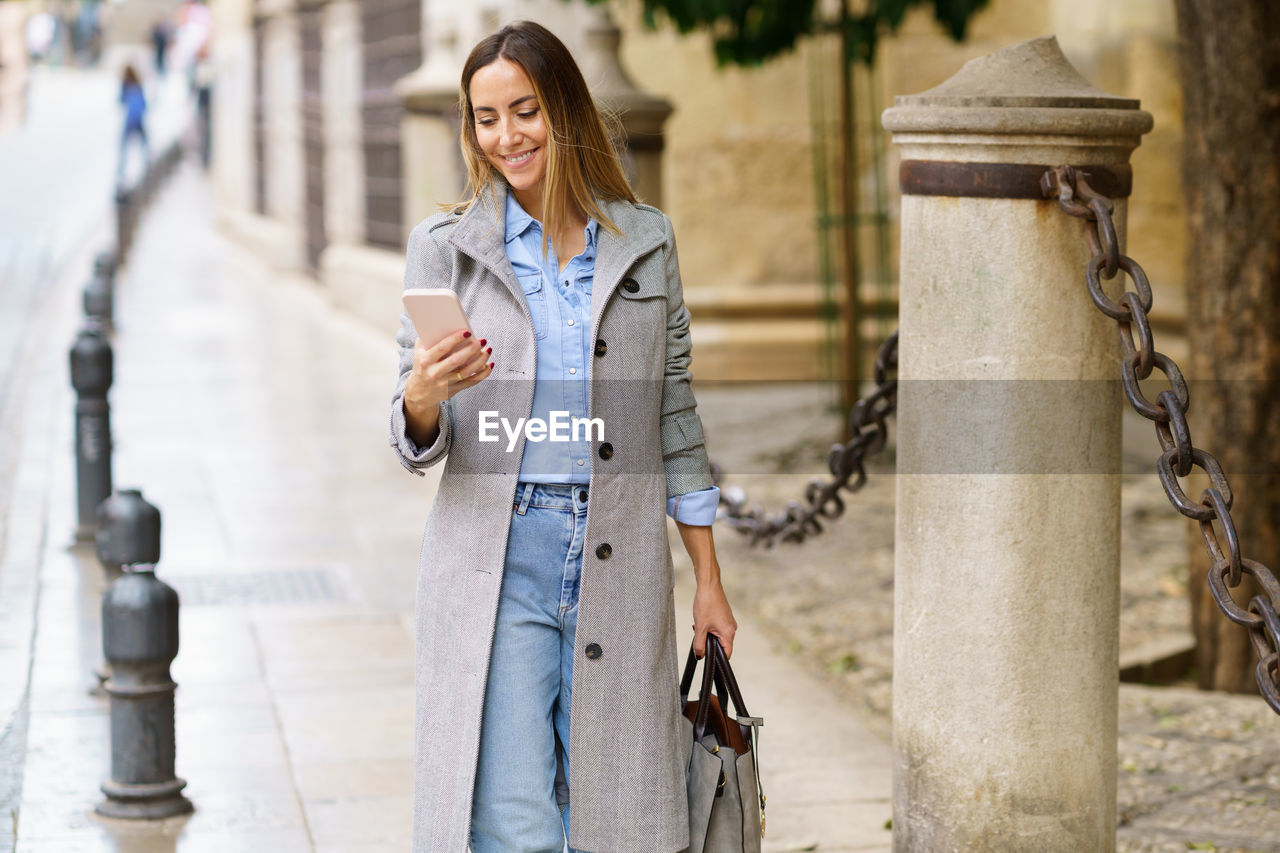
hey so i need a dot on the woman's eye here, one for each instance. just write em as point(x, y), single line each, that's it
point(485, 122)
point(529, 114)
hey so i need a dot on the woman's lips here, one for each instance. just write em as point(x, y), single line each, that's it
point(518, 160)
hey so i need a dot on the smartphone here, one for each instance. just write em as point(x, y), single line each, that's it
point(436, 313)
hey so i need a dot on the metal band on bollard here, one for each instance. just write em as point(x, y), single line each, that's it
point(140, 642)
point(1001, 180)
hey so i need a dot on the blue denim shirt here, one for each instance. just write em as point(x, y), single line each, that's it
point(560, 304)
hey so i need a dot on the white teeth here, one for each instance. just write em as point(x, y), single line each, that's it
point(520, 159)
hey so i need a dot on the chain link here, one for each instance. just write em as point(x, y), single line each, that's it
point(868, 426)
point(1138, 361)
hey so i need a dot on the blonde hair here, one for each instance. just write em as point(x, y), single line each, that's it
point(583, 167)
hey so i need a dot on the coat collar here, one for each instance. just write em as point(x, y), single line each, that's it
point(481, 232)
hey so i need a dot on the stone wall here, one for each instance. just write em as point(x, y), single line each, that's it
point(738, 170)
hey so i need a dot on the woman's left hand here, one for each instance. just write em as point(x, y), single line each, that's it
point(712, 613)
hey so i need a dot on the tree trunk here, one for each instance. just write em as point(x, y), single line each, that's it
point(1230, 60)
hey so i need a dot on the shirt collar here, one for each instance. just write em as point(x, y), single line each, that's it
point(519, 221)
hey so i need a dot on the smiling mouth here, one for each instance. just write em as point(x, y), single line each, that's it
point(517, 159)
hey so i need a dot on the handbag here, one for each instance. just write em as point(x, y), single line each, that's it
point(726, 802)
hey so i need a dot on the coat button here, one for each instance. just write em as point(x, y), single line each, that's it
point(593, 651)
point(605, 551)
point(601, 347)
point(630, 286)
point(606, 451)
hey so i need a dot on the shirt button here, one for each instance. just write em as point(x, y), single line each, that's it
point(572, 370)
point(581, 461)
point(570, 321)
point(593, 651)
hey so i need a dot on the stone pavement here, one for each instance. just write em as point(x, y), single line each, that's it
point(254, 416)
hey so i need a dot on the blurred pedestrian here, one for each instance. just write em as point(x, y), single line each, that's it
point(135, 111)
point(41, 29)
point(202, 81)
point(546, 667)
point(160, 34)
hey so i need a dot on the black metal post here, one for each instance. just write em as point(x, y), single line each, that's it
point(91, 373)
point(140, 642)
point(122, 221)
point(98, 296)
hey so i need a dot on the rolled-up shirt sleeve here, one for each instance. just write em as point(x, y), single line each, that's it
point(695, 508)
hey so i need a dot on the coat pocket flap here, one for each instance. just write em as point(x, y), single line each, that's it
point(642, 287)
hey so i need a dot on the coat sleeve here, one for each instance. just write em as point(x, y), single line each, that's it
point(427, 264)
point(684, 453)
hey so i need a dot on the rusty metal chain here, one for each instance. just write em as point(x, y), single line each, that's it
point(1169, 413)
point(870, 433)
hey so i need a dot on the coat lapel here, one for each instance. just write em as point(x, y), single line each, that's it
point(616, 253)
point(481, 234)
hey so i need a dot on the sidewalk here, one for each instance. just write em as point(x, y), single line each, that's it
point(254, 416)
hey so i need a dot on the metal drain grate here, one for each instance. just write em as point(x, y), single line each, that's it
point(289, 586)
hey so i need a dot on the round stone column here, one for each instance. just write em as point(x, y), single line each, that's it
point(1007, 559)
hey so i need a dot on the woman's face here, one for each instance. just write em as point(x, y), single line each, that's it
point(510, 127)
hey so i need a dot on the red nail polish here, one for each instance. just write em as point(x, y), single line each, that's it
point(491, 365)
point(484, 341)
point(466, 334)
point(489, 351)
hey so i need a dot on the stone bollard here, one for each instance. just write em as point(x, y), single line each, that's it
point(140, 641)
point(91, 368)
point(1006, 604)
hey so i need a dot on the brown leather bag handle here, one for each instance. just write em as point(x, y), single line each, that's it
point(724, 676)
point(715, 671)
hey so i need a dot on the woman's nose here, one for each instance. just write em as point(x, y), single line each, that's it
point(510, 133)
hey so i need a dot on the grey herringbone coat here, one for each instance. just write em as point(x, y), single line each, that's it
point(627, 755)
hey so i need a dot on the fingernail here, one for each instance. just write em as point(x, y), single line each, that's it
point(490, 351)
point(466, 334)
point(491, 365)
point(484, 341)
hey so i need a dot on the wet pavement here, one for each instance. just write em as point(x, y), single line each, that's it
point(57, 171)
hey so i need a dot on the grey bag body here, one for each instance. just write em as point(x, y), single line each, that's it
point(726, 805)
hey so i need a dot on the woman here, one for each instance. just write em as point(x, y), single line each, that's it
point(546, 659)
point(135, 110)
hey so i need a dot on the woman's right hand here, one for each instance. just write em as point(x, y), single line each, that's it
point(453, 364)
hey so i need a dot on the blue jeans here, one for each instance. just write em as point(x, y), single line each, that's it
point(524, 732)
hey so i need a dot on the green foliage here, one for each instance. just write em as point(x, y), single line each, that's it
point(750, 32)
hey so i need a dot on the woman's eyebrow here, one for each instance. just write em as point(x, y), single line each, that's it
point(511, 106)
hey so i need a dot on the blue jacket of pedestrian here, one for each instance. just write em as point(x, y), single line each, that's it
point(135, 104)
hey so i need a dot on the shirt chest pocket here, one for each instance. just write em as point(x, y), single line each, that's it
point(535, 297)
